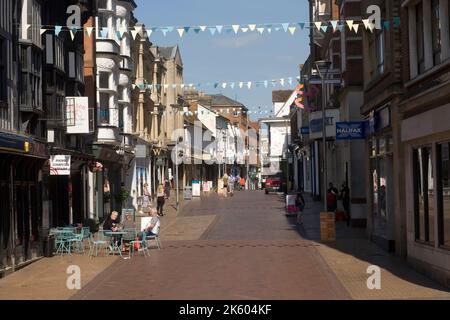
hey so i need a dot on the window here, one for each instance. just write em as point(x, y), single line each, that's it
point(103, 4)
point(424, 208)
point(104, 108)
point(443, 194)
point(420, 38)
point(380, 46)
point(3, 90)
point(436, 31)
point(104, 80)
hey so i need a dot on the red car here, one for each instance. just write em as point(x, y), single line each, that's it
point(275, 184)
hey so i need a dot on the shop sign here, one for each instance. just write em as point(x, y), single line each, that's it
point(353, 130)
point(141, 151)
point(77, 109)
point(60, 165)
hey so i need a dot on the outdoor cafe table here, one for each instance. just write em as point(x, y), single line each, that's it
point(62, 235)
point(114, 242)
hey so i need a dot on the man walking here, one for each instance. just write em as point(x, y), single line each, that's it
point(345, 196)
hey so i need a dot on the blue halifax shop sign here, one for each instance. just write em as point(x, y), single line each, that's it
point(354, 130)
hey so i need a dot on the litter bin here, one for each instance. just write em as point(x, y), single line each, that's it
point(48, 246)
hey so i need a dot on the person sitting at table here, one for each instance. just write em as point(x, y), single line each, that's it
point(112, 224)
point(152, 228)
point(129, 223)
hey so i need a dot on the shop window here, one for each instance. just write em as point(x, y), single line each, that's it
point(424, 201)
point(443, 157)
point(436, 31)
point(420, 38)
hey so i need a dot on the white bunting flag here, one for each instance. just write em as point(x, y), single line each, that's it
point(249, 84)
point(371, 26)
point(292, 30)
point(366, 23)
point(244, 30)
point(236, 28)
point(252, 27)
point(203, 28)
point(356, 27)
point(43, 31)
point(219, 29)
point(318, 25)
point(241, 84)
point(134, 34)
point(224, 85)
point(180, 32)
point(350, 24)
point(138, 29)
point(282, 82)
point(261, 30)
point(182, 86)
point(73, 33)
point(89, 31)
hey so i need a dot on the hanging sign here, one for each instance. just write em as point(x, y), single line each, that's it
point(354, 130)
point(60, 165)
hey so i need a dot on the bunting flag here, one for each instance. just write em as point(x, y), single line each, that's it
point(73, 32)
point(104, 32)
point(356, 27)
point(350, 24)
point(366, 23)
point(292, 30)
point(396, 21)
point(261, 30)
point(285, 26)
point(252, 27)
point(138, 29)
point(89, 31)
point(43, 31)
point(387, 25)
point(244, 30)
point(135, 32)
point(212, 30)
point(334, 24)
point(219, 29)
point(324, 28)
point(341, 28)
point(302, 25)
point(236, 28)
point(57, 30)
point(318, 25)
point(202, 28)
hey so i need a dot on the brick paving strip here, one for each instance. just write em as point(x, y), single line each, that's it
point(46, 279)
point(398, 281)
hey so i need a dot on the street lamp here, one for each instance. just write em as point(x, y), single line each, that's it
point(323, 68)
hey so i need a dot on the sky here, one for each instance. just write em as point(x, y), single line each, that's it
point(233, 57)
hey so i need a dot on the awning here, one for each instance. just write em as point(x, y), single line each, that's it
point(10, 142)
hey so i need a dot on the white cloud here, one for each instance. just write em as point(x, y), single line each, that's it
point(237, 42)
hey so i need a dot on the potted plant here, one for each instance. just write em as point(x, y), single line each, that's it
point(122, 196)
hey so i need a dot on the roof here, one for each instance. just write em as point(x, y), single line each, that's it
point(281, 96)
point(219, 100)
point(168, 52)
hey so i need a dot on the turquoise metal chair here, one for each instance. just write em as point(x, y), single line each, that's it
point(143, 246)
point(99, 243)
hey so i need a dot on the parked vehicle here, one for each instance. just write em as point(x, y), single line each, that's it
point(275, 183)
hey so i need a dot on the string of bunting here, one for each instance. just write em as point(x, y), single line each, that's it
point(224, 85)
point(292, 28)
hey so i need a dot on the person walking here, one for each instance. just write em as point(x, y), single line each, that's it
point(167, 189)
point(345, 196)
point(160, 200)
point(300, 204)
point(231, 183)
point(147, 196)
point(332, 198)
point(242, 182)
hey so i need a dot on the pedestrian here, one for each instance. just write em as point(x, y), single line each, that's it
point(242, 182)
point(300, 204)
point(167, 189)
point(160, 200)
point(332, 198)
point(345, 196)
point(231, 183)
point(147, 196)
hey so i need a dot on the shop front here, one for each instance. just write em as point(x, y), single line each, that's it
point(381, 220)
point(21, 162)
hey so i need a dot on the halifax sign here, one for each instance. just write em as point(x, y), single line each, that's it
point(355, 130)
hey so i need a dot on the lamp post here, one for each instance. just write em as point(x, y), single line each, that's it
point(323, 67)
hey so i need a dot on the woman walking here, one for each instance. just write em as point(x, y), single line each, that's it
point(161, 199)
